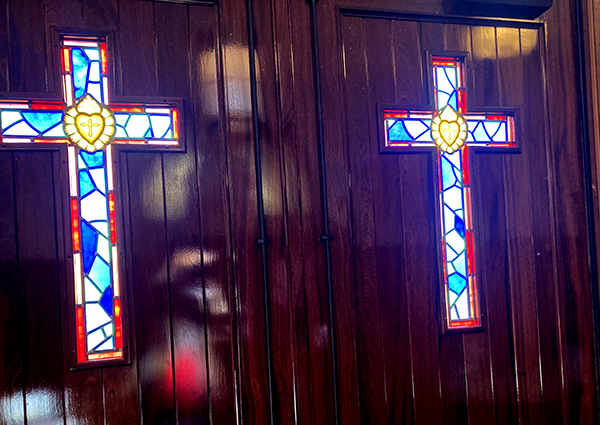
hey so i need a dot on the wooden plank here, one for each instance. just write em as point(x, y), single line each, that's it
point(271, 135)
point(518, 218)
point(215, 236)
point(12, 326)
point(573, 292)
point(338, 191)
point(38, 272)
point(102, 15)
point(368, 326)
point(183, 219)
point(27, 61)
point(393, 64)
point(250, 308)
point(307, 263)
point(536, 140)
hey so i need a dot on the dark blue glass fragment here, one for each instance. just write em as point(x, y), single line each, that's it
point(107, 301)
point(42, 121)
point(93, 160)
point(89, 242)
point(81, 64)
point(459, 225)
point(86, 184)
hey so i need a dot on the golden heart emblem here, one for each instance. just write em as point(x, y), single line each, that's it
point(449, 131)
point(90, 127)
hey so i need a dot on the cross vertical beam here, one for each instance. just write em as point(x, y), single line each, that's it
point(453, 133)
point(92, 129)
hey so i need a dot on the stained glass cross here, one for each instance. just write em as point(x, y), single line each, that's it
point(88, 125)
point(453, 133)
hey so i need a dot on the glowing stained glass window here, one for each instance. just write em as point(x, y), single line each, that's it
point(452, 131)
point(90, 125)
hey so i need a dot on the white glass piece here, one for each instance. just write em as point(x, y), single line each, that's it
point(492, 127)
point(443, 84)
point(108, 329)
point(451, 298)
point(95, 316)
point(77, 273)
point(72, 171)
point(415, 128)
point(57, 131)
point(442, 99)
point(455, 159)
point(95, 89)
point(109, 170)
point(169, 135)
point(453, 198)
point(95, 72)
point(500, 135)
point(81, 163)
point(94, 339)
point(93, 54)
point(108, 345)
point(80, 43)
point(121, 119)
point(138, 126)
point(455, 241)
point(101, 226)
point(9, 117)
point(120, 133)
point(462, 305)
point(166, 111)
point(99, 179)
point(450, 253)
point(448, 219)
point(92, 294)
point(450, 268)
point(115, 268)
point(94, 207)
point(105, 90)
point(20, 129)
point(103, 248)
point(160, 125)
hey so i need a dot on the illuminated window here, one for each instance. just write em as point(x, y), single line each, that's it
point(453, 132)
point(89, 125)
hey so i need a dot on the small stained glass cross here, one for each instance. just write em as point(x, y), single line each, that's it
point(453, 133)
point(88, 125)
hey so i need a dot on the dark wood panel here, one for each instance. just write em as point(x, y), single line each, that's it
point(12, 327)
point(38, 274)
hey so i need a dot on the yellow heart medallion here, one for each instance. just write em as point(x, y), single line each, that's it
point(449, 130)
point(89, 124)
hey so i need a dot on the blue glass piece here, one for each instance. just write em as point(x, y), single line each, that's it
point(460, 264)
point(398, 133)
point(42, 121)
point(459, 225)
point(93, 160)
point(448, 176)
point(479, 134)
point(100, 274)
point(453, 101)
point(81, 64)
point(107, 301)
point(85, 183)
point(89, 241)
point(457, 283)
point(149, 134)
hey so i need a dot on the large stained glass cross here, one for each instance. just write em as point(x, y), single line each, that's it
point(88, 125)
point(453, 133)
